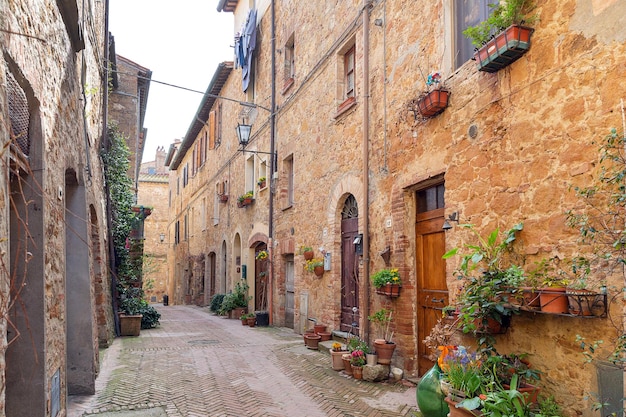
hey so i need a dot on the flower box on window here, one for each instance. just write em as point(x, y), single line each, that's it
point(505, 48)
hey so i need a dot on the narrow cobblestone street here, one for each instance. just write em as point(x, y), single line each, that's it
point(198, 364)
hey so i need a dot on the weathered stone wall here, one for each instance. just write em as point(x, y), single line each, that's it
point(4, 231)
point(50, 71)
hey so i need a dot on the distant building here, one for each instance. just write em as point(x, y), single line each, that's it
point(153, 192)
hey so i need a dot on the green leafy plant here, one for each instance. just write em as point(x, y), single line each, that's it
point(216, 302)
point(354, 343)
point(303, 249)
point(505, 402)
point(382, 320)
point(249, 194)
point(261, 181)
point(501, 16)
point(386, 276)
point(488, 278)
point(357, 358)
point(548, 407)
point(261, 255)
point(313, 263)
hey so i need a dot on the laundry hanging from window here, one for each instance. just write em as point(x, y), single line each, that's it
point(245, 43)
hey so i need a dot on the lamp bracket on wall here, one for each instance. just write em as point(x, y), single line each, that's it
point(453, 217)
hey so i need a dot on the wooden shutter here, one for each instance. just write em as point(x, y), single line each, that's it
point(212, 130)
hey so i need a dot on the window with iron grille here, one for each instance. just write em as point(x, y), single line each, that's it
point(19, 117)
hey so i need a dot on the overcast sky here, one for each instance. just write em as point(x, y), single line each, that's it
point(182, 43)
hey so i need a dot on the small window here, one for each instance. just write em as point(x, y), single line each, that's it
point(290, 62)
point(289, 176)
point(430, 198)
point(349, 73)
point(468, 13)
point(151, 170)
point(218, 126)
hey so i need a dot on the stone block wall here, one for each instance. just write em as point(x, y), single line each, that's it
point(64, 179)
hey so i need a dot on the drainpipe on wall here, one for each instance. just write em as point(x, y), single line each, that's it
point(366, 130)
point(273, 162)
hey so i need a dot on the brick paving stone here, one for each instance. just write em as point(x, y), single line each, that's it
point(199, 364)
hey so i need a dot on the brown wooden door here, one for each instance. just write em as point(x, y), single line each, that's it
point(260, 280)
point(289, 291)
point(432, 292)
point(349, 276)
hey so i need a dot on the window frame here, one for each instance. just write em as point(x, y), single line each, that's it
point(460, 15)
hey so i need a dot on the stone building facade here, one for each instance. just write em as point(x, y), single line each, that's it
point(55, 293)
point(153, 192)
point(355, 173)
point(127, 107)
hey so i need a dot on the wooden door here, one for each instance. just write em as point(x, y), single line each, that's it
point(349, 277)
point(432, 291)
point(212, 269)
point(260, 280)
point(289, 292)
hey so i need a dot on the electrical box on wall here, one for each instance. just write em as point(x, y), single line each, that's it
point(358, 244)
point(327, 261)
point(244, 271)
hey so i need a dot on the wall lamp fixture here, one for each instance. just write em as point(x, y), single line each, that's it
point(454, 217)
point(243, 135)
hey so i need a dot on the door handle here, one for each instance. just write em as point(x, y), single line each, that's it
point(437, 300)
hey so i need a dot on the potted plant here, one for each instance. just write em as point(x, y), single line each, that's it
point(502, 38)
point(434, 100)
point(387, 282)
point(383, 345)
point(552, 297)
point(307, 252)
point(315, 265)
point(483, 305)
point(357, 361)
point(261, 182)
point(462, 380)
point(336, 352)
point(245, 199)
point(515, 371)
point(130, 316)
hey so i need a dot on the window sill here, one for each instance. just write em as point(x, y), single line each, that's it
point(289, 82)
point(343, 108)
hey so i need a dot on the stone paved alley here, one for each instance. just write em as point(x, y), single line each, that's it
point(199, 364)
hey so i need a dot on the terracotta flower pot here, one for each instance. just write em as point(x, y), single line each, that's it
point(325, 336)
point(347, 366)
point(384, 350)
point(357, 372)
point(312, 340)
point(553, 300)
point(390, 290)
point(433, 103)
point(337, 359)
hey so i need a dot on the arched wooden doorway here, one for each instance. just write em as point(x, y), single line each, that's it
point(349, 267)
